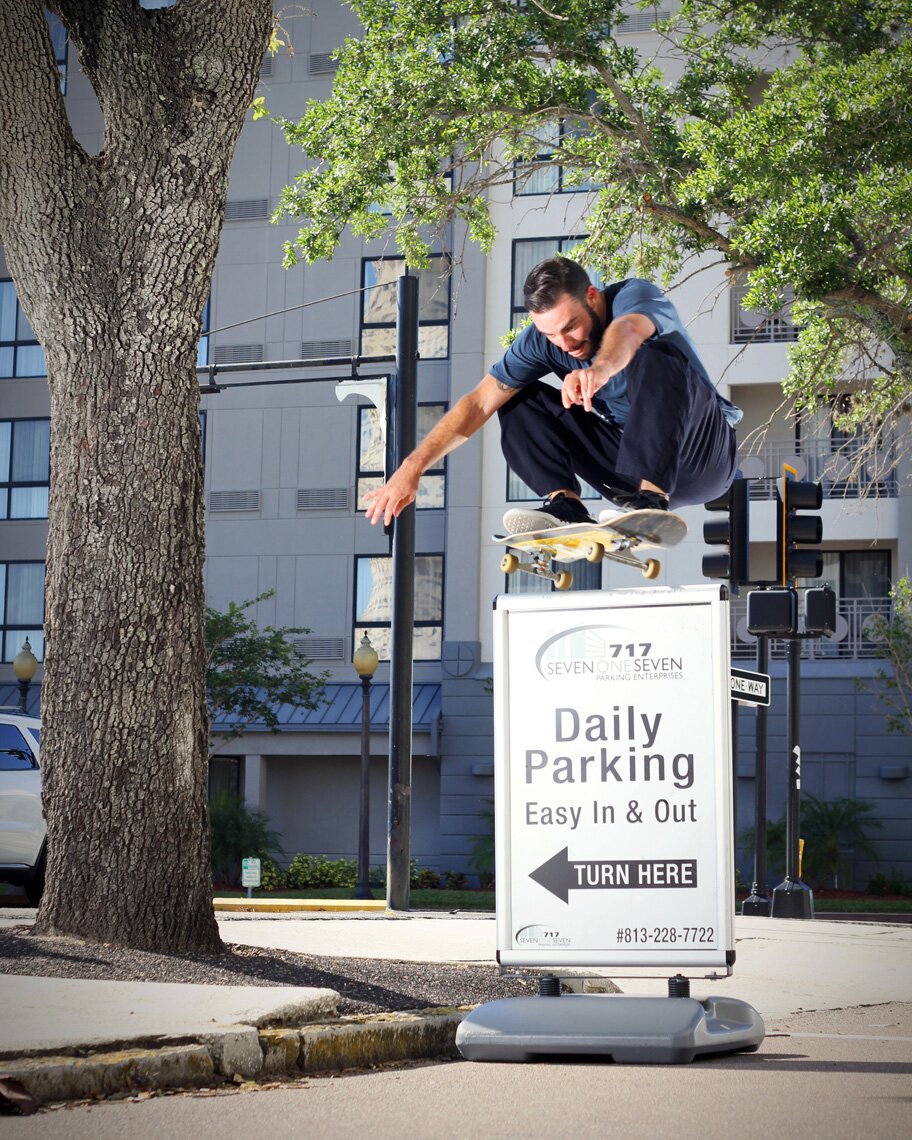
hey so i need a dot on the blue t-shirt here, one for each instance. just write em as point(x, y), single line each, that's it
point(532, 356)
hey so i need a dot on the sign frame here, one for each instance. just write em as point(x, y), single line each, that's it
point(523, 855)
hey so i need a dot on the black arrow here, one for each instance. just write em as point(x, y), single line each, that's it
point(560, 875)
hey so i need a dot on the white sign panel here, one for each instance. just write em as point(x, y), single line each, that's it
point(613, 804)
point(250, 872)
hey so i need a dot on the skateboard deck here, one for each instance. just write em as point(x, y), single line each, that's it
point(619, 540)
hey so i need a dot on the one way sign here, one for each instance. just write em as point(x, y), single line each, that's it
point(750, 688)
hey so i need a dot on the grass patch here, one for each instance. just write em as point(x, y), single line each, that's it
point(862, 906)
point(419, 899)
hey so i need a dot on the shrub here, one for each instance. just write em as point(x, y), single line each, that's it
point(308, 871)
point(829, 829)
point(425, 879)
point(238, 832)
point(482, 859)
point(893, 884)
point(455, 881)
point(272, 878)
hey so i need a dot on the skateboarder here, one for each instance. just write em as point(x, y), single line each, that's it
point(636, 416)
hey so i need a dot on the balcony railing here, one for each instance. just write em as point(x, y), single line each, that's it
point(759, 326)
point(853, 640)
point(843, 470)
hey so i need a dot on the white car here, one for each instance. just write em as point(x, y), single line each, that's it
point(22, 828)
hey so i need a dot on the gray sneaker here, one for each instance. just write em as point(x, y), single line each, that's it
point(559, 511)
point(634, 501)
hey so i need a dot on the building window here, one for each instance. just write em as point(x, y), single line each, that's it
point(372, 458)
point(20, 352)
point(758, 326)
point(225, 776)
point(378, 308)
point(22, 607)
point(527, 253)
point(586, 576)
point(374, 604)
point(520, 492)
point(59, 41)
point(202, 349)
point(24, 468)
point(544, 174)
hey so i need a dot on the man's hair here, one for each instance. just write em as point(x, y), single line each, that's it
point(553, 279)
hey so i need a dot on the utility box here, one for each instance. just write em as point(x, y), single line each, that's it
point(613, 780)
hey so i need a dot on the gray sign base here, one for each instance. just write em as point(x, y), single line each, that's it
point(628, 1029)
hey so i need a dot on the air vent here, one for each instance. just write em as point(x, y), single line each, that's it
point(322, 63)
point(326, 349)
point(246, 209)
point(638, 22)
point(320, 648)
point(323, 499)
point(237, 354)
point(234, 500)
point(267, 67)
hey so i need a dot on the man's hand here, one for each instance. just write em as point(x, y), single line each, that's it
point(580, 386)
point(390, 500)
point(620, 342)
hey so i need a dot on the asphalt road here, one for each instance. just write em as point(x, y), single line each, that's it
point(837, 1075)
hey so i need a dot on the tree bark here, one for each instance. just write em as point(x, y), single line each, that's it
point(112, 257)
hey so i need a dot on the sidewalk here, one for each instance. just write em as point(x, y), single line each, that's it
point(156, 1035)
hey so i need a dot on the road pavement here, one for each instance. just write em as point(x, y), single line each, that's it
point(840, 991)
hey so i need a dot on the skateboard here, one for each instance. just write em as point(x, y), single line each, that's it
point(619, 540)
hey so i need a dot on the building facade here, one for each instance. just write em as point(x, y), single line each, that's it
point(288, 463)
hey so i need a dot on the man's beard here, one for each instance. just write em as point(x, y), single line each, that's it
point(598, 328)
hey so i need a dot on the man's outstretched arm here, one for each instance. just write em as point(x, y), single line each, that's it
point(461, 422)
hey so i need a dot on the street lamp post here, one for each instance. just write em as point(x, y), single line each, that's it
point(25, 665)
point(365, 662)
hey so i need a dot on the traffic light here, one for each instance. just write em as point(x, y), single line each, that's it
point(733, 531)
point(795, 531)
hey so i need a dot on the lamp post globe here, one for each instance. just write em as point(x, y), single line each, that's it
point(25, 665)
point(365, 661)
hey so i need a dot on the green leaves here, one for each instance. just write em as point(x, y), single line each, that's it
point(252, 672)
point(772, 133)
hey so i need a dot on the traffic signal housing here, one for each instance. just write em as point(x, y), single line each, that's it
point(731, 531)
point(795, 532)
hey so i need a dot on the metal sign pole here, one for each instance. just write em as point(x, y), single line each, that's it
point(792, 898)
point(758, 903)
point(405, 413)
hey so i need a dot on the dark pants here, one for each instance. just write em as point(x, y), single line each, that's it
point(675, 435)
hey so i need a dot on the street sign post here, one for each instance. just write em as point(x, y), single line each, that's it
point(250, 874)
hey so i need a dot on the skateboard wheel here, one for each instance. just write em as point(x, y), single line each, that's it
point(564, 580)
point(651, 568)
point(509, 563)
point(595, 552)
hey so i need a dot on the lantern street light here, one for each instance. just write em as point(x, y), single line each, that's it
point(365, 662)
point(25, 665)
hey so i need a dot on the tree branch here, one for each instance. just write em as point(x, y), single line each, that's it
point(898, 316)
point(702, 229)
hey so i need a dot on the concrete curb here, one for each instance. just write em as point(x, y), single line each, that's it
point(290, 906)
point(243, 1052)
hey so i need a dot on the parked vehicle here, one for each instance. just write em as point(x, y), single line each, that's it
point(22, 827)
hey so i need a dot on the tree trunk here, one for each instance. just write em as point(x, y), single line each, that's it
point(112, 256)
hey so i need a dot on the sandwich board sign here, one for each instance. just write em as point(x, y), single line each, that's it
point(613, 779)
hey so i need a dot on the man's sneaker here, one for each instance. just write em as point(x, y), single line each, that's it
point(559, 511)
point(634, 501)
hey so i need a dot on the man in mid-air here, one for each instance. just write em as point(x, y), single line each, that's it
point(636, 416)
